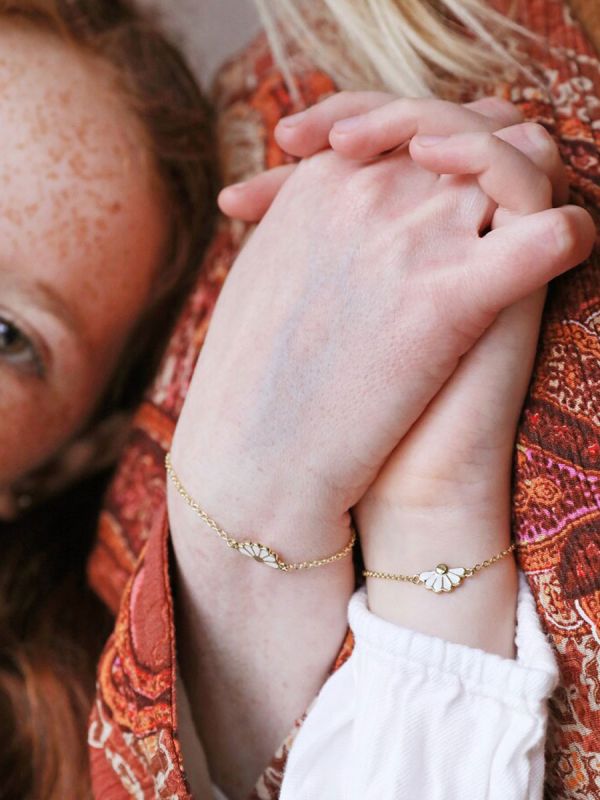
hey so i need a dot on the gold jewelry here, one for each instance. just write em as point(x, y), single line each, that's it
point(259, 552)
point(443, 578)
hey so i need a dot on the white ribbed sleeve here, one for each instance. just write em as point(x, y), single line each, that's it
point(414, 717)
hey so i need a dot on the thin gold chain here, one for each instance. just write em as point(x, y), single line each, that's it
point(489, 561)
point(389, 576)
point(230, 541)
point(256, 550)
point(460, 573)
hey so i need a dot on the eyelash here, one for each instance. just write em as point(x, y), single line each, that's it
point(31, 361)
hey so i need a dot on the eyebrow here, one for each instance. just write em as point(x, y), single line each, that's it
point(44, 296)
point(48, 298)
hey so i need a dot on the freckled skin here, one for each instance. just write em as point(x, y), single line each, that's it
point(80, 210)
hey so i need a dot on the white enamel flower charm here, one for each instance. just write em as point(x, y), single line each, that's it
point(261, 553)
point(443, 578)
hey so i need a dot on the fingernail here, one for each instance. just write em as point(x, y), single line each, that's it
point(348, 124)
point(536, 134)
point(292, 120)
point(429, 141)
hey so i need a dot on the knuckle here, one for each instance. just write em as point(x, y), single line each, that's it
point(408, 105)
point(545, 189)
point(331, 104)
point(539, 137)
point(503, 107)
point(313, 166)
point(565, 231)
point(376, 96)
point(343, 96)
point(488, 141)
point(347, 97)
point(361, 183)
point(368, 188)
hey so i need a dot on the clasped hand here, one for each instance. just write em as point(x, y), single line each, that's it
point(370, 277)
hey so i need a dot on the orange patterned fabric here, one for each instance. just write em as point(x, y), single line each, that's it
point(133, 731)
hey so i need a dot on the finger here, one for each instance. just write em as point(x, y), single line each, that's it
point(393, 124)
point(306, 133)
point(251, 200)
point(496, 108)
point(520, 258)
point(504, 173)
point(537, 144)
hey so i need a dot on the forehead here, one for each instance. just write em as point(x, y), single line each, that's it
point(67, 134)
point(79, 193)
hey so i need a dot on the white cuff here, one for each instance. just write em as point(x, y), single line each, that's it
point(410, 715)
point(530, 678)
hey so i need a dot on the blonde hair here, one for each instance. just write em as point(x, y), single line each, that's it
point(413, 48)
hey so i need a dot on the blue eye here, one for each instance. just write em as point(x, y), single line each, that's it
point(16, 348)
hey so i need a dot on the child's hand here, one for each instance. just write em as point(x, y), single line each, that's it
point(460, 450)
point(444, 494)
point(380, 123)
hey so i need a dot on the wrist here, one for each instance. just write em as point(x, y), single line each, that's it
point(409, 542)
point(416, 481)
point(405, 540)
point(246, 507)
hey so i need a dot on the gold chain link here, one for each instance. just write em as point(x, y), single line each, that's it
point(259, 552)
point(458, 573)
point(389, 576)
point(488, 562)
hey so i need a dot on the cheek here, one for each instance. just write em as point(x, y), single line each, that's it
point(34, 423)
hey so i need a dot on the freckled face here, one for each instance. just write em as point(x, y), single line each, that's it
point(81, 235)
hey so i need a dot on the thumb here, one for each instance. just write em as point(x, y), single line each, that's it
point(521, 257)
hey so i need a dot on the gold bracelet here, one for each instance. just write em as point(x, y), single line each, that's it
point(443, 578)
point(259, 552)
